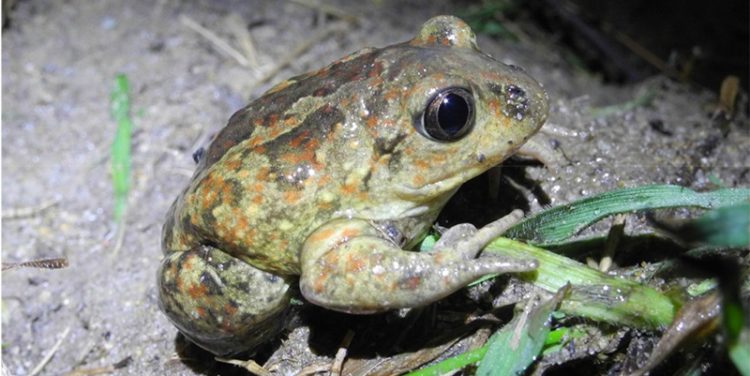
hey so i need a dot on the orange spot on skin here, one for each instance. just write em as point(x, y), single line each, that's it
point(291, 197)
point(300, 139)
point(229, 310)
point(200, 311)
point(439, 158)
point(275, 132)
point(412, 283)
point(319, 283)
point(321, 235)
point(376, 70)
point(172, 271)
point(253, 141)
point(197, 291)
point(262, 174)
point(422, 164)
point(354, 264)
point(178, 284)
point(391, 94)
point(494, 107)
point(345, 102)
point(328, 265)
point(349, 233)
point(320, 72)
point(418, 180)
point(408, 151)
point(227, 144)
point(272, 119)
point(363, 196)
point(210, 187)
point(290, 121)
point(324, 180)
point(241, 221)
point(187, 263)
point(233, 164)
point(348, 189)
point(377, 81)
point(304, 151)
point(330, 259)
point(372, 122)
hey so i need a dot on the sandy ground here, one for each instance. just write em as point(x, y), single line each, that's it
point(59, 60)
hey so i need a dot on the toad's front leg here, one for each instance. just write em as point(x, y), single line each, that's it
point(348, 266)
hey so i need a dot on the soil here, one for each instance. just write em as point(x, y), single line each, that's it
point(59, 60)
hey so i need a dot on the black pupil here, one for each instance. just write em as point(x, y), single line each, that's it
point(453, 113)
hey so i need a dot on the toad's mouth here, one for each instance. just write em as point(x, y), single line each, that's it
point(447, 181)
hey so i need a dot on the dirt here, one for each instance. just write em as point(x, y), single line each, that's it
point(59, 60)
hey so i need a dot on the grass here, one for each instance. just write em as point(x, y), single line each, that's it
point(120, 151)
point(120, 154)
point(596, 297)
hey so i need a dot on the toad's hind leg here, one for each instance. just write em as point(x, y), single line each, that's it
point(219, 302)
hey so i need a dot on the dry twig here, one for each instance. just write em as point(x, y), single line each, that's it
point(249, 365)
point(299, 49)
point(53, 263)
point(28, 211)
point(338, 361)
point(219, 43)
point(40, 366)
point(327, 9)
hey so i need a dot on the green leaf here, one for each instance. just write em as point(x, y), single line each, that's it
point(728, 226)
point(740, 354)
point(514, 347)
point(120, 151)
point(451, 364)
point(594, 295)
point(428, 242)
point(562, 222)
point(642, 100)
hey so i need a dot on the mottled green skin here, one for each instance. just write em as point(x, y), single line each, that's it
point(326, 179)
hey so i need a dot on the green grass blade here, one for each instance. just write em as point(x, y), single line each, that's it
point(594, 295)
point(120, 151)
point(451, 364)
point(562, 222)
point(509, 350)
point(724, 227)
point(739, 353)
point(514, 347)
point(640, 101)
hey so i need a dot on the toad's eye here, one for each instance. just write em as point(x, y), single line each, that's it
point(449, 115)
